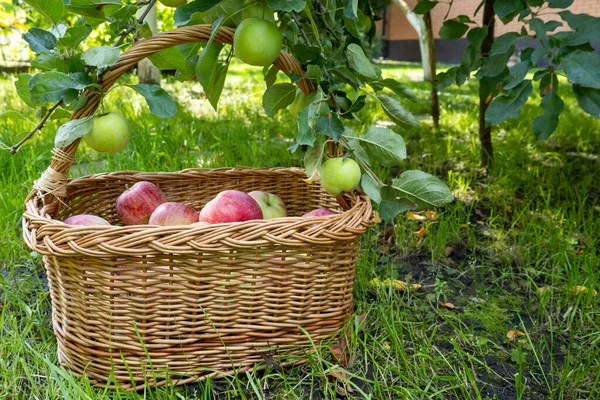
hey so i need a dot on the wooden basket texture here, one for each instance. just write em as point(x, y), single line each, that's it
point(147, 305)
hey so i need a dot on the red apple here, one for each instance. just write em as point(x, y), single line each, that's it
point(320, 212)
point(85, 219)
point(136, 204)
point(171, 213)
point(271, 205)
point(230, 206)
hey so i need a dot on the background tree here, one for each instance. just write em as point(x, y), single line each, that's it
point(551, 54)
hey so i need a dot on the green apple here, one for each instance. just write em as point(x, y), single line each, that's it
point(339, 175)
point(172, 3)
point(110, 133)
point(257, 42)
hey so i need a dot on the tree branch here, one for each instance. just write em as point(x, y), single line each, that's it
point(40, 125)
point(15, 148)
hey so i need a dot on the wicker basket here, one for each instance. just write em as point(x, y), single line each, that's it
point(142, 305)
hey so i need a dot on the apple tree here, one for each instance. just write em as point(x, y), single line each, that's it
point(328, 37)
point(552, 42)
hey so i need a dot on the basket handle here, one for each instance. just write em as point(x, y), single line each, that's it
point(52, 182)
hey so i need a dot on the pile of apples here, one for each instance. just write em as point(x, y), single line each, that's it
point(145, 203)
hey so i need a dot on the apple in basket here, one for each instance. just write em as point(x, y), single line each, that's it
point(319, 212)
point(171, 213)
point(230, 206)
point(136, 204)
point(270, 204)
point(85, 219)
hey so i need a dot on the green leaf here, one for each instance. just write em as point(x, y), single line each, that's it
point(588, 99)
point(516, 74)
point(306, 54)
point(168, 59)
point(210, 71)
point(358, 104)
point(12, 114)
point(53, 86)
point(359, 62)
point(75, 35)
point(507, 9)
point(88, 11)
point(371, 188)
point(184, 14)
point(391, 205)
point(354, 146)
point(351, 9)
point(509, 106)
point(424, 6)
point(546, 124)
point(422, 189)
point(23, 89)
point(356, 26)
point(50, 9)
point(505, 43)
point(314, 157)
point(446, 78)
point(160, 102)
point(73, 130)
point(50, 62)
point(277, 97)
point(306, 136)
point(452, 29)
point(101, 56)
point(383, 145)
point(583, 68)
point(559, 3)
point(401, 89)
point(313, 72)
point(397, 113)
point(330, 125)
point(271, 75)
point(39, 40)
point(287, 5)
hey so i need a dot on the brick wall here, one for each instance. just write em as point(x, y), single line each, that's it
point(398, 28)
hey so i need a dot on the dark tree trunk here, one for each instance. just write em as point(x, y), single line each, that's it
point(435, 104)
point(485, 133)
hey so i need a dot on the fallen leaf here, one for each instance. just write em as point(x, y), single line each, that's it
point(513, 334)
point(431, 215)
point(479, 213)
point(396, 284)
point(447, 305)
point(341, 352)
point(541, 290)
point(309, 181)
point(448, 251)
point(581, 290)
point(359, 321)
point(415, 216)
point(420, 233)
point(376, 218)
point(343, 378)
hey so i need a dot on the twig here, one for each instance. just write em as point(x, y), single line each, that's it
point(304, 35)
point(15, 148)
point(138, 21)
point(39, 126)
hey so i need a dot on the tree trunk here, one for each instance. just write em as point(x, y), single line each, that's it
point(435, 104)
point(485, 133)
point(147, 72)
point(418, 23)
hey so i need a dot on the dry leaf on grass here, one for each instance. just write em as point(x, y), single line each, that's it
point(575, 290)
point(541, 290)
point(376, 218)
point(396, 284)
point(341, 352)
point(415, 216)
point(344, 379)
point(421, 232)
point(447, 305)
point(431, 215)
point(448, 251)
point(513, 334)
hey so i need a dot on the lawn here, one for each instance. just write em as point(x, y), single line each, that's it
point(516, 254)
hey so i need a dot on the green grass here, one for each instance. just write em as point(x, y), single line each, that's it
point(532, 223)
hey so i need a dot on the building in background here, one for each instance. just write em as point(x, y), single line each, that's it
point(402, 43)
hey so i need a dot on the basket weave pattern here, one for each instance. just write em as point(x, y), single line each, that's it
point(177, 304)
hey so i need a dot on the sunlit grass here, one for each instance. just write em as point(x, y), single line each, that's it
point(507, 253)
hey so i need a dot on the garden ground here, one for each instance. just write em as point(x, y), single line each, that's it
point(509, 271)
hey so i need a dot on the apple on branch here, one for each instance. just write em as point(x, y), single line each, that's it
point(136, 204)
point(110, 133)
point(271, 205)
